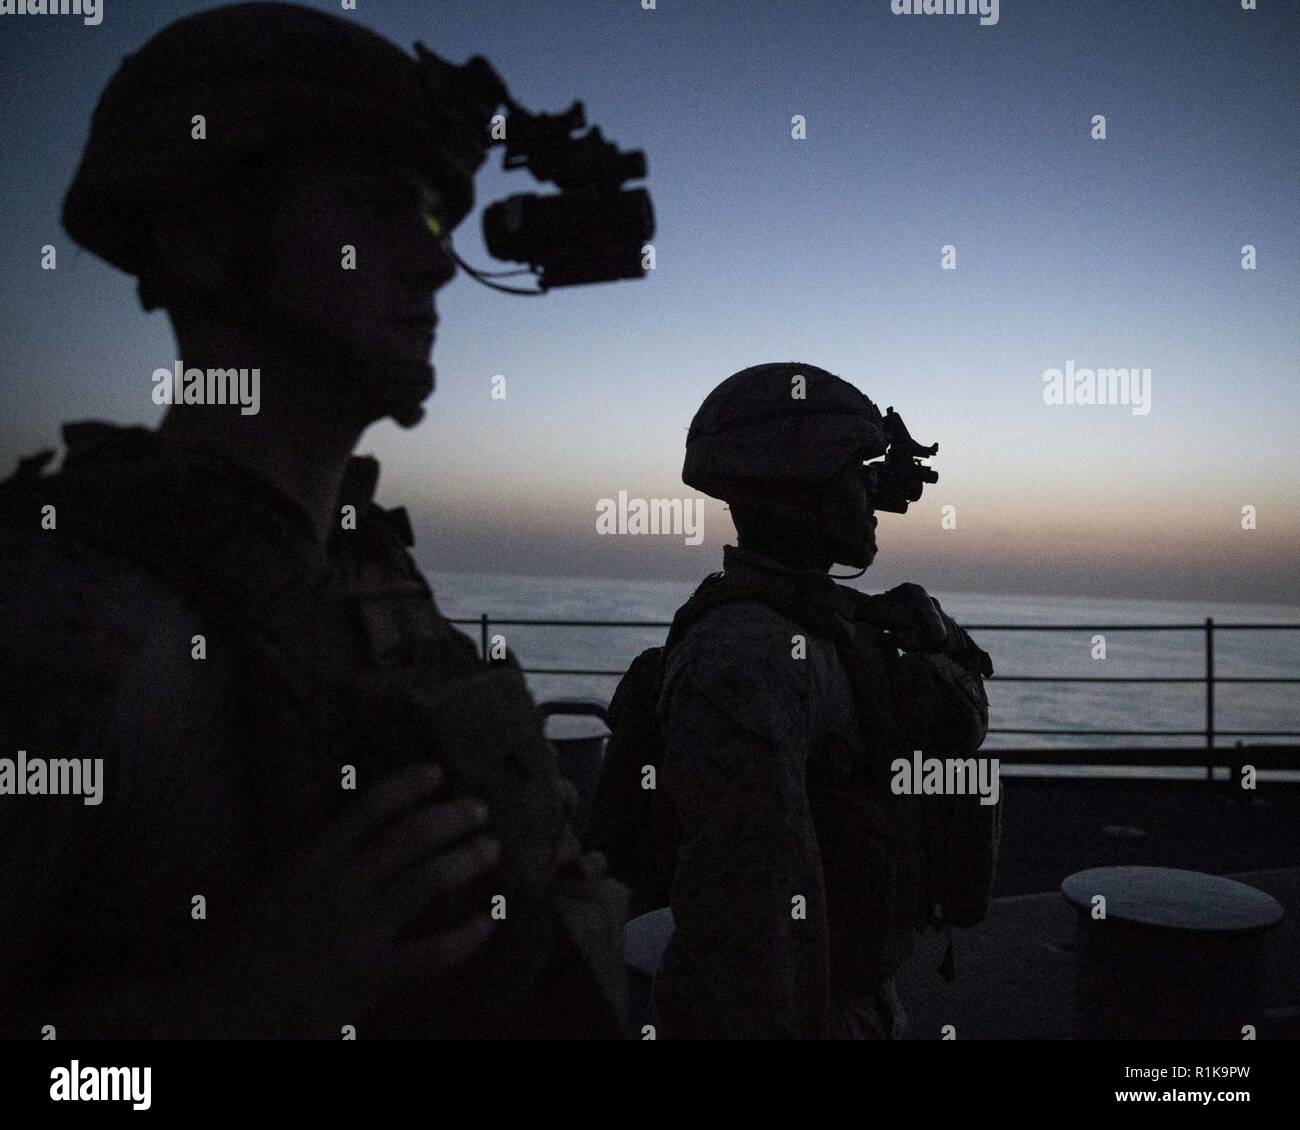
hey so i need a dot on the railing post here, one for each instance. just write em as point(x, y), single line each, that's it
point(483, 634)
point(1209, 698)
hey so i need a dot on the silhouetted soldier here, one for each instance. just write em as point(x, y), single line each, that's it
point(796, 875)
point(297, 747)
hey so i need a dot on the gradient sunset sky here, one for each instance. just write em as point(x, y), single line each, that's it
point(921, 132)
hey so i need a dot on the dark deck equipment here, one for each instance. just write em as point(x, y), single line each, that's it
point(1179, 954)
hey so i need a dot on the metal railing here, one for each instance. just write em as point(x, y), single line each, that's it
point(1274, 756)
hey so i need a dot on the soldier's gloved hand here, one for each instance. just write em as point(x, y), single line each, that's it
point(920, 624)
point(925, 627)
point(317, 945)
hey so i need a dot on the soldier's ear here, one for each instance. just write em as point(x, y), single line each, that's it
point(195, 246)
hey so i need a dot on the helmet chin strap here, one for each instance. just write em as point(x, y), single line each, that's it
point(847, 576)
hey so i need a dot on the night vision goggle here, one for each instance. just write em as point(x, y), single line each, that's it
point(900, 477)
point(592, 230)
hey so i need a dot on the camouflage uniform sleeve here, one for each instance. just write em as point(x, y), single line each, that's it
point(748, 958)
point(54, 674)
point(79, 680)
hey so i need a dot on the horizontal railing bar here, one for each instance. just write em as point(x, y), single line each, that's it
point(970, 627)
point(1086, 627)
point(1127, 627)
point(1262, 757)
point(569, 623)
point(1135, 679)
point(992, 679)
point(1157, 733)
point(1254, 627)
point(1059, 733)
point(571, 671)
point(1096, 679)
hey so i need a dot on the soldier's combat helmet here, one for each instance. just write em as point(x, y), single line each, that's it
point(779, 430)
point(270, 80)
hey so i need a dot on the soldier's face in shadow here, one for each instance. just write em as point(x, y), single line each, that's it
point(850, 519)
point(359, 253)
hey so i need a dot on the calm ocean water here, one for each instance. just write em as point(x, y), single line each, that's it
point(1056, 706)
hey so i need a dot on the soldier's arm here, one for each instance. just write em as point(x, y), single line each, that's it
point(748, 959)
point(57, 664)
point(74, 621)
point(942, 706)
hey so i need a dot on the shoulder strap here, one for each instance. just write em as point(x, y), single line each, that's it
point(718, 589)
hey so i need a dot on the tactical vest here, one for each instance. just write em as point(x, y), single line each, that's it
point(349, 662)
point(891, 863)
